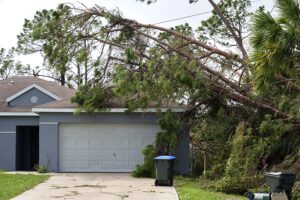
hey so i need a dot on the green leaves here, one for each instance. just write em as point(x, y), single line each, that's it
point(8, 66)
point(289, 11)
point(236, 12)
point(92, 99)
point(82, 55)
point(275, 42)
point(59, 35)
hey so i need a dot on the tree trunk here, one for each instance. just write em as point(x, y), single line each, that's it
point(62, 79)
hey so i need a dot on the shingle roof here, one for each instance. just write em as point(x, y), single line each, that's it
point(116, 103)
point(11, 86)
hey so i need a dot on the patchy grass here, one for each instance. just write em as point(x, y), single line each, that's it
point(190, 189)
point(14, 184)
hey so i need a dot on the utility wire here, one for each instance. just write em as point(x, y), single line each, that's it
point(189, 16)
point(176, 19)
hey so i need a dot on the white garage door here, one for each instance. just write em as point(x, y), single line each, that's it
point(103, 147)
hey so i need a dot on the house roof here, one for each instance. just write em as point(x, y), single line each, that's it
point(116, 103)
point(11, 86)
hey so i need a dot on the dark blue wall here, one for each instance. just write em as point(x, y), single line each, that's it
point(24, 100)
point(8, 139)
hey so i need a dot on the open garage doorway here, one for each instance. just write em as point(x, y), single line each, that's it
point(27, 147)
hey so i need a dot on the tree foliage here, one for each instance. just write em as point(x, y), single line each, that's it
point(8, 65)
point(58, 36)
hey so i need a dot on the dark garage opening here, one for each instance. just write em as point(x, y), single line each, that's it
point(27, 148)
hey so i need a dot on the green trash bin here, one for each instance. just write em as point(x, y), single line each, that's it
point(281, 182)
point(164, 170)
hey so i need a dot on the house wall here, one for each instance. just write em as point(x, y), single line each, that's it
point(49, 134)
point(24, 100)
point(8, 139)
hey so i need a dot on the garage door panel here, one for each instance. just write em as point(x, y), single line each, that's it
point(94, 139)
point(107, 154)
point(94, 154)
point(121, 154)
point(103, 147)
point(121, 164)
point(82, 140)
point(81, 164)
point(94, 164)
point(67, 164)
point(107, 142)
point(107, 164)
point(81, 154)
point(134, 154)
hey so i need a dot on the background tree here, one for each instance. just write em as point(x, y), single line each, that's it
point(57, 36)
point(8, 65)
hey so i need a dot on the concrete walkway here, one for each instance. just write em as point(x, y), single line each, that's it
point(100, 186)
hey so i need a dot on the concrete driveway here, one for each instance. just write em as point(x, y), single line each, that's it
point(100, 186)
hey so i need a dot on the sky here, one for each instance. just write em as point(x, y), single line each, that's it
point(13, 13)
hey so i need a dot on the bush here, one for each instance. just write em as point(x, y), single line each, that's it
point(238, 185)
point(241, 170)
point(41, 169)
point(216, 172)
point(147, 169)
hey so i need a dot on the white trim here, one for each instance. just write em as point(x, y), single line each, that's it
point(3, 132)
point(49, 123)
point(109, 110)
point(29, 88)
point(25, 114)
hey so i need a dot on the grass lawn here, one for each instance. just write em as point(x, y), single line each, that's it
point(189, 189)
point(12, 185)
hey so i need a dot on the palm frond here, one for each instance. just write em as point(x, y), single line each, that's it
point(289, 11)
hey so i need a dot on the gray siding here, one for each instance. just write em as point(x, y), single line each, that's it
point(49, 130)
point(8, 139)
point(24, 100)
point(48, 153)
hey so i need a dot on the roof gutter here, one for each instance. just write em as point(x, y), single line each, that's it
point(18, 114)
point(108, 110)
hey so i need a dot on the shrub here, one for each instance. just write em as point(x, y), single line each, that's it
point(147, 169)
point(238, 185)
point(216, 172)
point(241, 171)
point(41, 169)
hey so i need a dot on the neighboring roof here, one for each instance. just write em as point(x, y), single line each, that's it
point(11, 86)
point(116, 105)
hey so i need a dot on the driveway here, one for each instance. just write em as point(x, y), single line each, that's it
point(100, 186)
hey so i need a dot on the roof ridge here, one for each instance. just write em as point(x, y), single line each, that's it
point(37, 78)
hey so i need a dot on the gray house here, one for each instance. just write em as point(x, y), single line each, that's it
point(38, 127)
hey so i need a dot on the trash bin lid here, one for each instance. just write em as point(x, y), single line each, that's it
point(279, 174)
point(164, 158)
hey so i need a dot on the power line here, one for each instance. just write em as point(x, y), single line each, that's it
point(176, 19)
point(189, 16)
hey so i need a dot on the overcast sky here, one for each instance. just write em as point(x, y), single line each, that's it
point(13, 12)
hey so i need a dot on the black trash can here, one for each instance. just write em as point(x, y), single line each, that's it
point(281, 182)
point(164, 170)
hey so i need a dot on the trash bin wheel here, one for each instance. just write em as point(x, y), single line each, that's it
point(170, 182)
point(156, 182)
